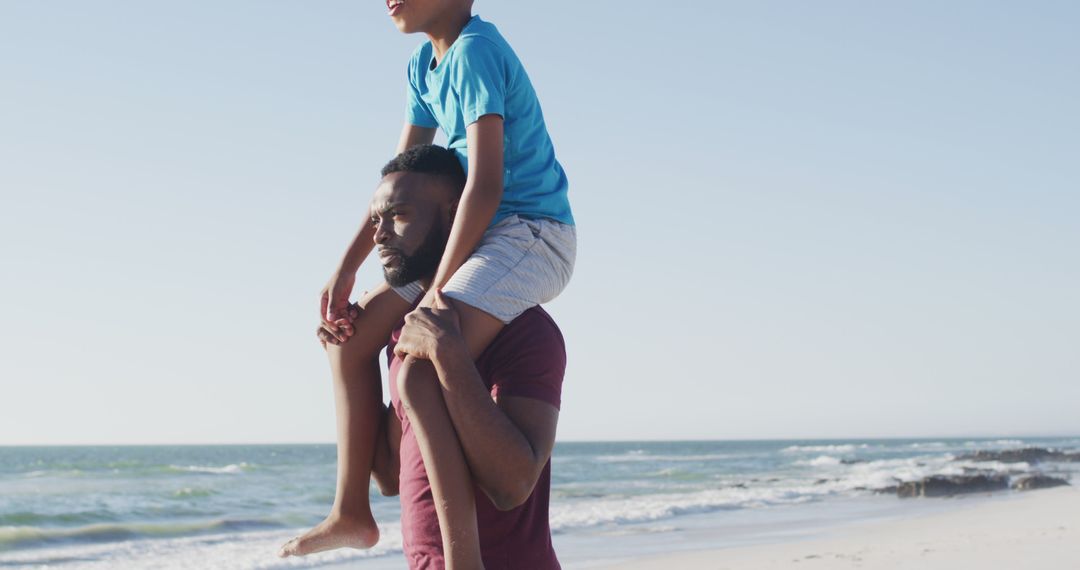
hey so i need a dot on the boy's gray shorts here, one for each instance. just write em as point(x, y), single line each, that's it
point(520, 263)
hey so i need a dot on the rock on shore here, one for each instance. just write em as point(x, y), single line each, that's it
point(1038, 481)
point(1025, 455)
point(949, 485)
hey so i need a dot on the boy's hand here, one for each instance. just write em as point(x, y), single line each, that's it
point(427, 329)
point(334, 300)
point(338, 331)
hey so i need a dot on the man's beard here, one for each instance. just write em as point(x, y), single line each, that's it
point(422, 263)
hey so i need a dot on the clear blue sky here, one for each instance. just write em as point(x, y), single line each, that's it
point(826, 219)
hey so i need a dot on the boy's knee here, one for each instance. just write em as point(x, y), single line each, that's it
point(357, 347)
point(413, 384)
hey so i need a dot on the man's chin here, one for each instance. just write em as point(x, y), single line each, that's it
point(396, 278)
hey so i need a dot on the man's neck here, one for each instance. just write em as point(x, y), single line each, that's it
point(446, 33)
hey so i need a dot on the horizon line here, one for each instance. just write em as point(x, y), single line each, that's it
point(628, 440)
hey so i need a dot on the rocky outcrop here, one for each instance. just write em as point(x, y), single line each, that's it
point(1025, 455)
point(1037, 481)
point(949, 485)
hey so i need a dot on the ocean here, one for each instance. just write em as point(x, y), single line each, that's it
point(172, 507)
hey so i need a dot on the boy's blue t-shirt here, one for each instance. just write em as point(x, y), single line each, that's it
point(480, 75)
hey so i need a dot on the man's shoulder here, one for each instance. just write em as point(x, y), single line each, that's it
point(534, 332)
point(536, 320)
point(537, 313)
point(527, 359)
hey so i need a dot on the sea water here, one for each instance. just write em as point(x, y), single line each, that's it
point(232, 506)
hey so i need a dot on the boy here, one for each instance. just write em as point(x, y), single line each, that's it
point(512, 246)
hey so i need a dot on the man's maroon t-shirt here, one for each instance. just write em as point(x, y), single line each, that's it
point(526, 359)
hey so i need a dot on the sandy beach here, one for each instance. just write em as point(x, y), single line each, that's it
point(1033, 530)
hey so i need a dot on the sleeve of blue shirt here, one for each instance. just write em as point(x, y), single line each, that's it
point(416, 111)
point(479, 78)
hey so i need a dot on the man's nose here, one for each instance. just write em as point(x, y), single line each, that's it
point(380, 232)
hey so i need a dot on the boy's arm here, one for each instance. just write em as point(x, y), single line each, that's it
point(412, 135)
point(334, 300)
point(480, 200)
point(335, 296)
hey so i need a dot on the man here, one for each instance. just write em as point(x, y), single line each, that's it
point(504, 407)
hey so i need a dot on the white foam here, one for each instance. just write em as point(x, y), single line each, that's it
point(226, 551)
point(821, 461)
point(52, 473)
point(843, 448)
point(995, 466)
point(194, 492)
point(637, 457)
point(997, 442)
point(231, 469)
point(645, 508)
point(888, 472)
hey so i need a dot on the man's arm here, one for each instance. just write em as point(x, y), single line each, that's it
point(506, 443)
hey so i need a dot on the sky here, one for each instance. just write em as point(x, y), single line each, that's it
point(835, 219)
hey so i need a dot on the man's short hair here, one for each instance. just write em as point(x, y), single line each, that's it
point(428, 159)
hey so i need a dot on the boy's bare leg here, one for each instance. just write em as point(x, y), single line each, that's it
point(444, 460)
point(451, 481)
point(358, 405)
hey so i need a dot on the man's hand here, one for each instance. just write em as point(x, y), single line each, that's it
point(429, 329)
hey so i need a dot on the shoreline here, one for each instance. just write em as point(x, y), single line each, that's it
point(1032, 530)
point(697, 504)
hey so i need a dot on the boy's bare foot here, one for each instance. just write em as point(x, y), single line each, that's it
point(334, 532)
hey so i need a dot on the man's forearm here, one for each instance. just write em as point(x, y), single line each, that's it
point(500, 456)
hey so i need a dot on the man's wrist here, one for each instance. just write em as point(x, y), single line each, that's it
point(450, 351)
